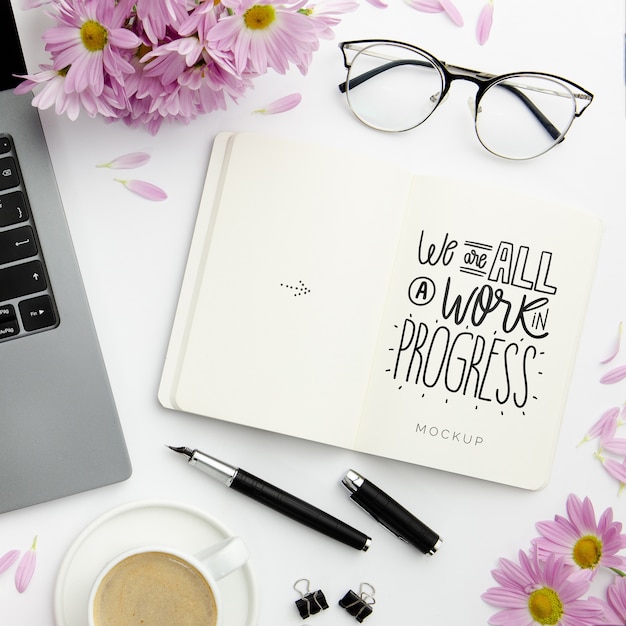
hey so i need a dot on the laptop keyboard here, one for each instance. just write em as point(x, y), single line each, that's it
point(26, 300)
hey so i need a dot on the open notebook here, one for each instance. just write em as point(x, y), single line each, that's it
point(335, 297)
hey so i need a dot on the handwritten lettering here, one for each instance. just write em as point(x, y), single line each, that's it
point(482, 301)
point(481, 339)
point(432, 256)
point(465, 363)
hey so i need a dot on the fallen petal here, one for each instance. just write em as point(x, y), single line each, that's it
point(483, 26)
point(8, 559)
point(616, 445)
point(605, 426)
point(281, 105)
point(144, 189)
point(426, 6)
point(452, 12)
point(26, 568)
point(615, 469)
point(614, 376)
point(608, 430)
point(127, 161)
point(617, 346)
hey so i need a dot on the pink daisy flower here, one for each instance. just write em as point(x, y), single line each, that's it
point(614, 608)
point(90, 40)
point(581, 540)
point(168, 61)
point(158, 15)
point(265, 34)
point(326, 13)
point(54, 93)
point(201, 20)
point(540, 592)
point(213, 82)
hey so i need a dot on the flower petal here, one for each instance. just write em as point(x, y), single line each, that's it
point(379, 4)
point(144, 189)
point(127, 161)
point(605, 427)
point(485, 20)
point(452, 12)
point(426, 6)
point(26, 568)
point(617, 445)
point(281, 105)
point(8, 559)
point(614, 376)
point(615, 469)
point(617, 346)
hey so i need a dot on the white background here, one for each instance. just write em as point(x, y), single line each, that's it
point(132, 253)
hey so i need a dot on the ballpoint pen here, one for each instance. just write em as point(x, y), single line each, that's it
point(275, 498)
point(393, 516)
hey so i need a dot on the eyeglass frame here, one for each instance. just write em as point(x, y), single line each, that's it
point(449, 73)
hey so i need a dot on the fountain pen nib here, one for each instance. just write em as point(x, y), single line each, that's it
point(182, 450)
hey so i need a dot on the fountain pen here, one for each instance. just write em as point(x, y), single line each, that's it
point(275, 498)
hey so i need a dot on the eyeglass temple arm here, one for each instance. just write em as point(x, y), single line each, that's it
point(552, 130)
point(359, 80)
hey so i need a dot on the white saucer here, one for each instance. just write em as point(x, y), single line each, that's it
point(144, 522)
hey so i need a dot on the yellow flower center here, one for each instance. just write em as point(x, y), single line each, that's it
point(587, 552)
point(545, 606)
point(94, 35)
point(259, 16)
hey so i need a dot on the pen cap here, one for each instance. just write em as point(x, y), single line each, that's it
point(392, 515)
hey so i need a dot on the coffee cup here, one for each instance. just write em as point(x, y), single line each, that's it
point(160, 586)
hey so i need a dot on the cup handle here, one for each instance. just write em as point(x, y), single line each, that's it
point(225, 557)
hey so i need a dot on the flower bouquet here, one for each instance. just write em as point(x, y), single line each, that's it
point(144, 61)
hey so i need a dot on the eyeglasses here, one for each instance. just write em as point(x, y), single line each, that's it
point(393, 86)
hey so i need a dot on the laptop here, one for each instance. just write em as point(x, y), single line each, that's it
point(59, 428)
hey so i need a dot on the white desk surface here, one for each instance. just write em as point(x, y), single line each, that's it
point(132, 253)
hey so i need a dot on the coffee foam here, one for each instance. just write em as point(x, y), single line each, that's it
point(154, 589)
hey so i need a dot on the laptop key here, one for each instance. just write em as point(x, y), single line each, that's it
point(12, 209)
point(37, 313)
point(17, 244)
point(21, 280)
point(8, 321)
point(8, 173)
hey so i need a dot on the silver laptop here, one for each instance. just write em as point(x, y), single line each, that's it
point(59, 429)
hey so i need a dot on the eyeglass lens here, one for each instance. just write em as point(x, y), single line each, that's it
point(401, 87)
point(524, 116)
point(393, 87)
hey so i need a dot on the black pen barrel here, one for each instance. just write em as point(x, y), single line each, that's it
point(298, 510)
point(395, 517)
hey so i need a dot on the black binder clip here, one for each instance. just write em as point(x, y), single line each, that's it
point(359, 606)
point(311, 602)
